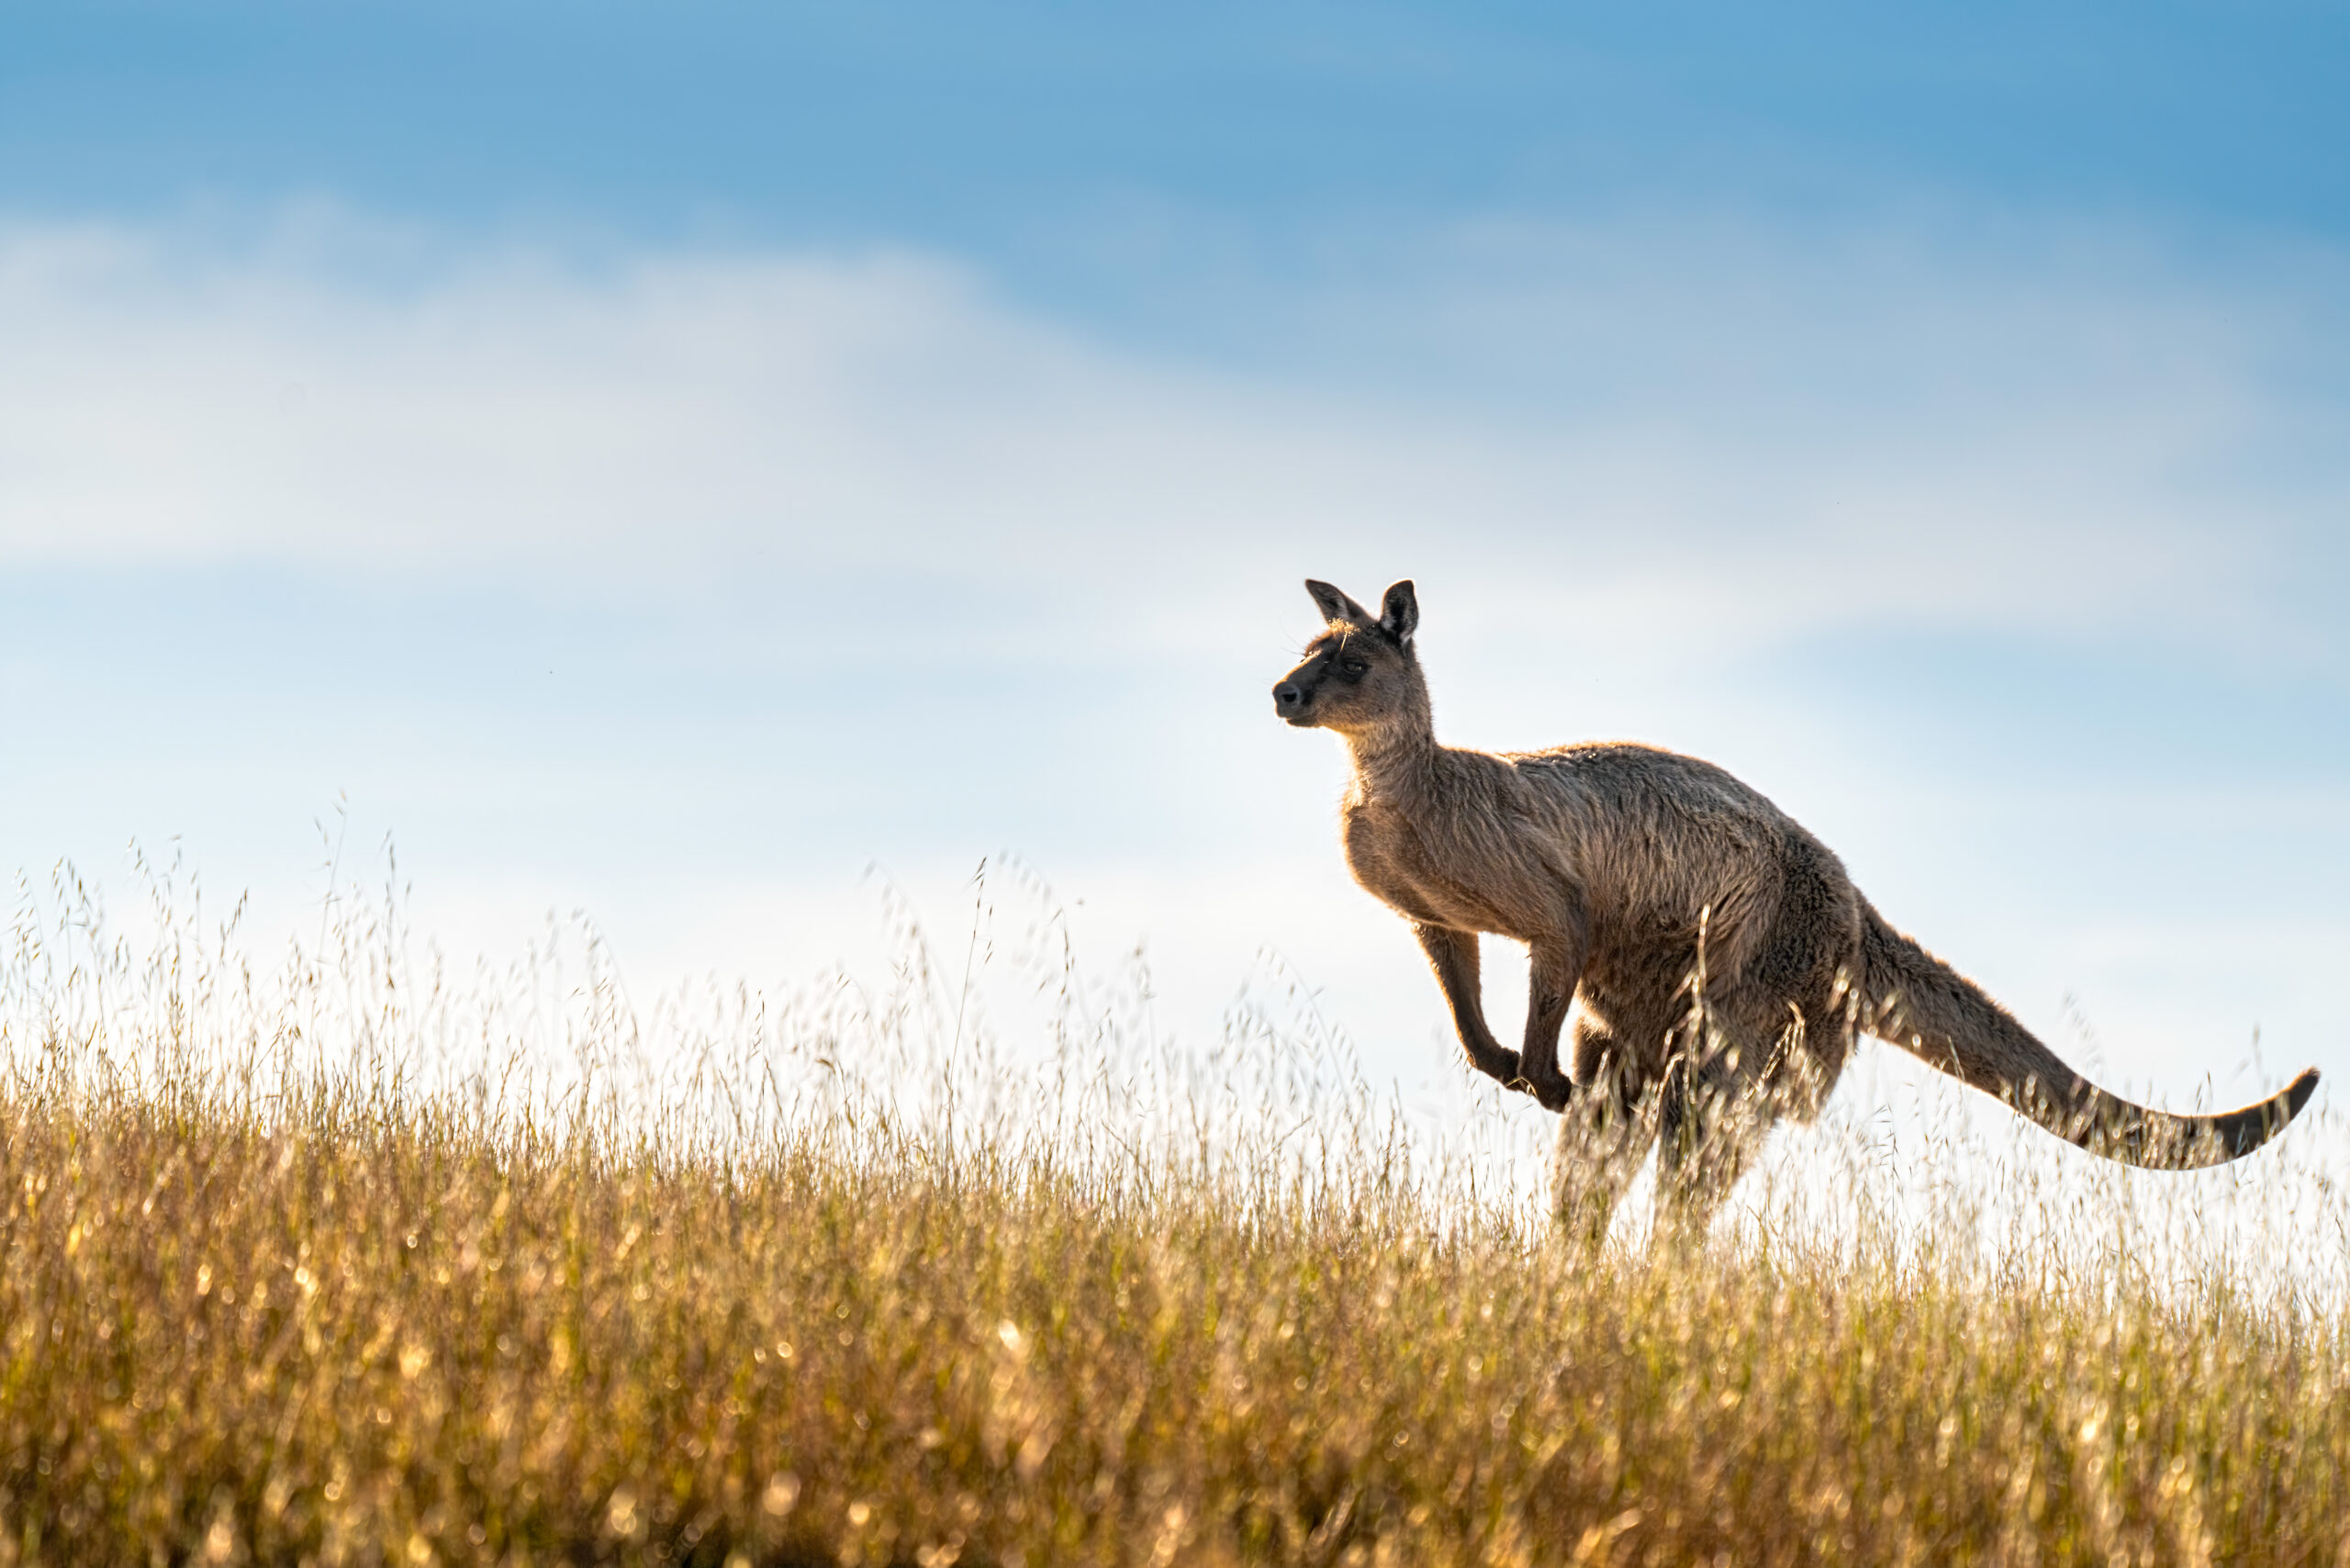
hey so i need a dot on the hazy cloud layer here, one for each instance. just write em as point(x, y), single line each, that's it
point(1695, 432)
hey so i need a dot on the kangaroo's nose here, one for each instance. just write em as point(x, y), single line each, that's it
point(1288, 697)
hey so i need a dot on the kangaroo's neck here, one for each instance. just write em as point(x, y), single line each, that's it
point(1399, 763)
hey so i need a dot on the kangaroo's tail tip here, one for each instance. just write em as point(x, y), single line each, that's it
point(2257, 1124)
point(2298, 1093)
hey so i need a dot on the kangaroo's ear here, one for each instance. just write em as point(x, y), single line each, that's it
point(1402, 616)
point(1336, 606)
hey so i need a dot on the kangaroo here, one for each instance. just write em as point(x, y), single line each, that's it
point(1716, 959)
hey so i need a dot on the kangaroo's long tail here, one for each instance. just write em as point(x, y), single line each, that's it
point(1911, 999)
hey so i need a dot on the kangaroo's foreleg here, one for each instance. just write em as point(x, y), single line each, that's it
point(1453, 955)
point(1554, 966)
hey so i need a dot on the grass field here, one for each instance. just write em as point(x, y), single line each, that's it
point(285, 1284)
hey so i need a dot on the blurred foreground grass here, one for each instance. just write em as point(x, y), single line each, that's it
point(274, 1291)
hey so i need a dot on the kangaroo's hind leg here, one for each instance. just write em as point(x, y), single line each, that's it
point(1604, 1132)
point(1799, 992)
point(1814, 1044)
point(1715, 1107)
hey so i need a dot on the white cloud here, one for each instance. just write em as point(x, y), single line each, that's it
point(1694, 435)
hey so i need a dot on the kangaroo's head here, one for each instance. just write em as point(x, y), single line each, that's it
point(1360, 677)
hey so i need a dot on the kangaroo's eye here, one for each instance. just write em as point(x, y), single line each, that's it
point(1353, 666)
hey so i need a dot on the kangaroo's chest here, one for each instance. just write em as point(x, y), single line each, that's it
point(1426, 878)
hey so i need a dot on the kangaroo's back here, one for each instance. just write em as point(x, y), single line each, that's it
point(1668, 840)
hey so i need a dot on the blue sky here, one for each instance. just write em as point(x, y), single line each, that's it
point(947, 125)
point(662, 460)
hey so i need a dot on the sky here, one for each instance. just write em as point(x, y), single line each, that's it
point(702, 465)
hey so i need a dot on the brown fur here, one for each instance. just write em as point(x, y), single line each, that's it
point(1714, 959)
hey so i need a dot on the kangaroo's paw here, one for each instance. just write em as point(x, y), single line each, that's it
point(1552, 1093)
point(1501, 1067)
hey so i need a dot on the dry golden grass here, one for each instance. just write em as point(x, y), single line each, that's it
point(259, 1309)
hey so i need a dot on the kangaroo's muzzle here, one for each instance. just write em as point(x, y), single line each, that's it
point(1292, 701)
